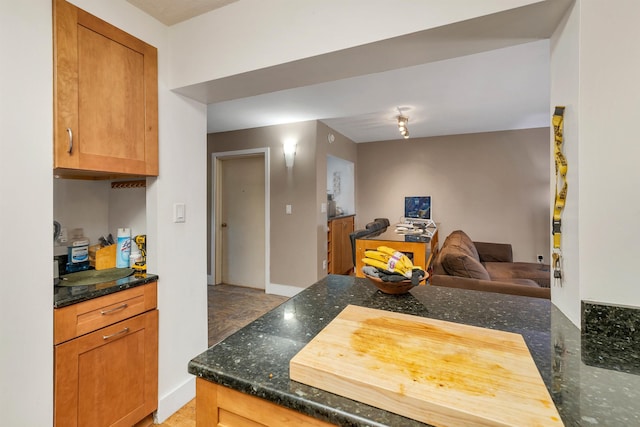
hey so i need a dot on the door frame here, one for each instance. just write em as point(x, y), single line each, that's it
point(216, 219)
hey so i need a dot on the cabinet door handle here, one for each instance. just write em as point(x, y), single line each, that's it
point(120, 307)
point(124, 331)
point(70, 140)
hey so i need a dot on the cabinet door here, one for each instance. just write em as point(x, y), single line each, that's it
point(347, 255)
point(105, 97)
point(108, 377)
point(335, 247)
point(341, 256)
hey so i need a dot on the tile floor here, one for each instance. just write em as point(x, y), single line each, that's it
point(230, 308)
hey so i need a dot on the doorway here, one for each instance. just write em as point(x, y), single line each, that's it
point(240, 218)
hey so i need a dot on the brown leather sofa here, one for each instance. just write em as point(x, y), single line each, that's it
point(481, 266)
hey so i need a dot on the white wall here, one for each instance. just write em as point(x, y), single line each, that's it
point(595, 75)
point(26, 220)
point(565, 91)
point(26, 214)
point(237, 38)
point(609, 228)
point(180, 250)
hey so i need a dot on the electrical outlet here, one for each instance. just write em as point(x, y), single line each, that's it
point(541, 259)
point(324, 264)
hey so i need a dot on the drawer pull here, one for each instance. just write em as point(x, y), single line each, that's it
point(124, 331)
point(120, 307)
point(70, 140)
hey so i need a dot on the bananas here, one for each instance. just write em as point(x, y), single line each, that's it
point(390, 260)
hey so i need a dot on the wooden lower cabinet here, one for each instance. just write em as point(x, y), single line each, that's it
point(217, 405)
point(108, 377)
point(340, 256)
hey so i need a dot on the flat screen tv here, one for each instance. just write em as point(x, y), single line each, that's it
point(417, 207)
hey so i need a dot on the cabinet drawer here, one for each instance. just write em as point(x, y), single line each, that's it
point(79, 319)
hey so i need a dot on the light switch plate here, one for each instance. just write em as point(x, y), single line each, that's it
point(323, 207)
point(288, 209)
point(178, 212)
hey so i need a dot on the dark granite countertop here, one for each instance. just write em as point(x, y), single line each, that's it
point(255, 360)
point(67, 295)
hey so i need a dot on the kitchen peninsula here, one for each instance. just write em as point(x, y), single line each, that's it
point(254, 362)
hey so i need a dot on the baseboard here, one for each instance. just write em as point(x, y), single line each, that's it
point(170, 403)
point(283, 290)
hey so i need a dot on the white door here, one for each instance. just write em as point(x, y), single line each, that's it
point(242, 221)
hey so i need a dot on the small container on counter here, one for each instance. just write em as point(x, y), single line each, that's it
point(77, 252)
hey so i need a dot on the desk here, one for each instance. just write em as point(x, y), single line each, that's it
point(423, 248)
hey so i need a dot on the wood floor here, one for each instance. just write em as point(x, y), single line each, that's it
point(230, 308)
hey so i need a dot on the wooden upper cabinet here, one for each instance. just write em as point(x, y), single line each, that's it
point(105, 98)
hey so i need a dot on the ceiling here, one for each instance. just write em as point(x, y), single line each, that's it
point(501, 89)
point(171, 12)
point(495, 89)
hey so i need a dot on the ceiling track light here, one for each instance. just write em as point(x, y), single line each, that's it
point(403, 121)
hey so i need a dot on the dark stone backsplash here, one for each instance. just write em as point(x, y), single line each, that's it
point(611, 337)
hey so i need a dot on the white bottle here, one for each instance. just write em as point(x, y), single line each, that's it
point(134, 256)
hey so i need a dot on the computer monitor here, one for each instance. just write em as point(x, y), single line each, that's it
point(418, 207)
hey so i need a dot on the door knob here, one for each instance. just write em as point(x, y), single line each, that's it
point(223, 225)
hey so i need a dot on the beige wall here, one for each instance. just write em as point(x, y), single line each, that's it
point(343, 148)
point(293, 246)
point(494, 186)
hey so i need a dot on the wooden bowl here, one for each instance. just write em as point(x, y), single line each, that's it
point(393, 288)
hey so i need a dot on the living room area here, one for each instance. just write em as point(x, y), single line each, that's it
point(493, 185)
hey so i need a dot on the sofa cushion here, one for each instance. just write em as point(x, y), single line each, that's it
point(530, 288)
point(494, 252)
point(508, 271)
point(463, 242)
point(457, 260)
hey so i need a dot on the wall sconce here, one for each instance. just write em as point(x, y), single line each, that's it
point(289, 148)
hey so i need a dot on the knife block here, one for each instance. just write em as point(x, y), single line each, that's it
point(102, 258)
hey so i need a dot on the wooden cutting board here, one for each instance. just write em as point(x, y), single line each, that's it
point(437, 372)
